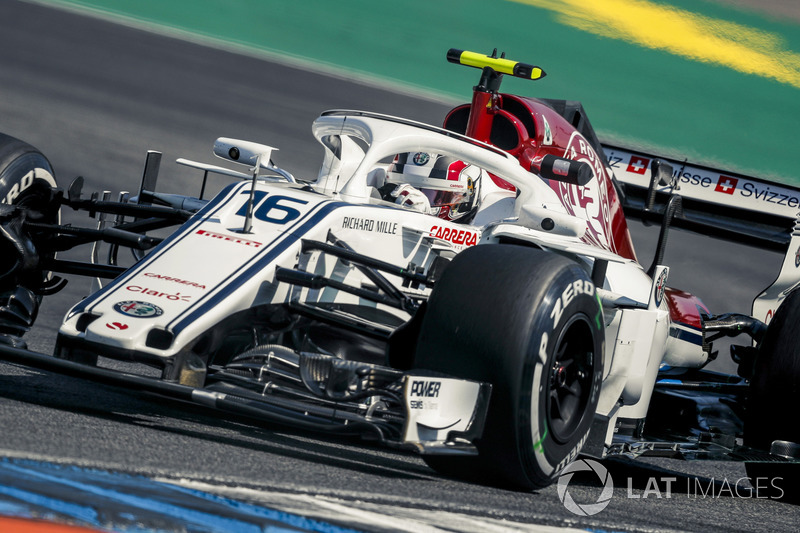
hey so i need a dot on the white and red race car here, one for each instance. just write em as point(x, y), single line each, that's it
point(468, 292)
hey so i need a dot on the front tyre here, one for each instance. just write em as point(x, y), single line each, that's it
point(26, 180)
point(529, 323)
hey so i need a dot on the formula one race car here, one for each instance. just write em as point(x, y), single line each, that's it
point(468, 292)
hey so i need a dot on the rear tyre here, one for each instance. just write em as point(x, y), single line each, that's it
point(529, 323)
point(775, 387)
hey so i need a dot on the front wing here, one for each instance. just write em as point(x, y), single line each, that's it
point(436, 415)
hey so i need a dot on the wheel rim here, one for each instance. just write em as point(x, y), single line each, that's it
point(570, 379)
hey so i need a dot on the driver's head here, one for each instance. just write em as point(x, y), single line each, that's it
point(450, 185)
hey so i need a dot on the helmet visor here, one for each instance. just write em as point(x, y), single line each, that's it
point(442, 198)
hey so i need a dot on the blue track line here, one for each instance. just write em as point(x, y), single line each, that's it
point(122, 502)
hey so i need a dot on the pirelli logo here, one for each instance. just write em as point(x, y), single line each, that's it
point(230, 238)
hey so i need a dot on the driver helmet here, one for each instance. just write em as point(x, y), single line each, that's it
point(451, 185)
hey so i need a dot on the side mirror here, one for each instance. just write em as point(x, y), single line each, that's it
point(565, 170)
point(244, 152)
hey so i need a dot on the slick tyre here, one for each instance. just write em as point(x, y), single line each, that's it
point(529, 323)
point(774, 388)
point(27, 180)
point(26, 176)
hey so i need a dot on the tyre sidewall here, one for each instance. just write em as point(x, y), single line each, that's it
point(553, 318)
point(774, 388)
point(776, 379)
point(485, 322)
point(26, 178)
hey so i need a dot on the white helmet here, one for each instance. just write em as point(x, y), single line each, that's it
point(451, 185)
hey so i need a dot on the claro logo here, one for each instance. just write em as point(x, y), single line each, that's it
point(177, 297)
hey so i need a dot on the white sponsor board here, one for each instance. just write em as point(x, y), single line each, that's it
point(707, 184)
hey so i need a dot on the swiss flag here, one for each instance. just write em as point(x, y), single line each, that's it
point(638, 165)
point(726, 184)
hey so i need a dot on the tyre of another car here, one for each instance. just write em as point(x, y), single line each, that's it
point(772, 403)
point(26, 180)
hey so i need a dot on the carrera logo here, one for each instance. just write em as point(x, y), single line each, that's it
point(174, 280)
point(726, 184)
point(638, 165)
point(223, 237)
point(460, 237)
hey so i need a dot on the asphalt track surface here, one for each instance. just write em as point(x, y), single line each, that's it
point(94, 96)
